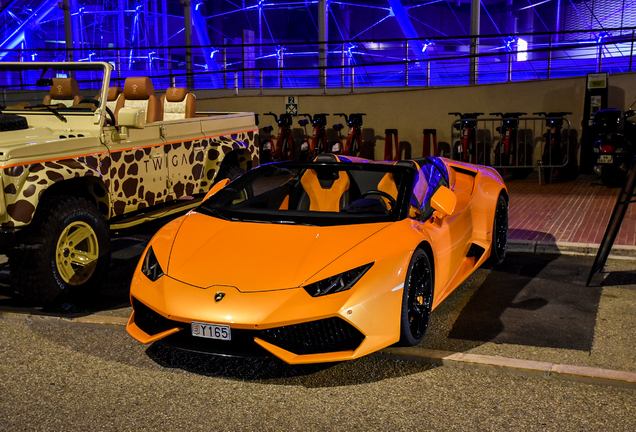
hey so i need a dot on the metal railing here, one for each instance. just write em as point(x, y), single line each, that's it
point(364, 64)
point(528, 149)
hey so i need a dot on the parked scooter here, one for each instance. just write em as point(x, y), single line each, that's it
point(616, 145)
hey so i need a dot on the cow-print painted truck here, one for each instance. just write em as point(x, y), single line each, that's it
point(81, 158)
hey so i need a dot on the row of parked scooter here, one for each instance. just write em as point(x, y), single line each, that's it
point(284, 146)
point(614, 148)
point(512, 151)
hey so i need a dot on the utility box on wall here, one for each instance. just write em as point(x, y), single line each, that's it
point(596, 97)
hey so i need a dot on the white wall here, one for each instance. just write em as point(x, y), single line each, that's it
point(410, 111)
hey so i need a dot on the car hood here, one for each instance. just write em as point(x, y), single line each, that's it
point(257, 256)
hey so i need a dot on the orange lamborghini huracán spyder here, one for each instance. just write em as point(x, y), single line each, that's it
point(318, 261)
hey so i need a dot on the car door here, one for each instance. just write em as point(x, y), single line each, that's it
point(185, 150)
point(451, 234)
point(135, 169)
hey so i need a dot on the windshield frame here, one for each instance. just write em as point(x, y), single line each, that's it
point(44, 67)
point(213, 206)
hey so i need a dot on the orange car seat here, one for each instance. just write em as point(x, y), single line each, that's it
point(326, 190)
point(178, 103)
point(387, 184)
point(65, 91)
point(113, 99)
point(140, 93)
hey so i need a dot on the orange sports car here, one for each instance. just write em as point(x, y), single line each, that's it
point(318, 261)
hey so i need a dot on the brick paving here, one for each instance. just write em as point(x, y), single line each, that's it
point(575, 211)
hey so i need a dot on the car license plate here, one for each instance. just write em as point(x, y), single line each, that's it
point(605, 159)
point(211, 331)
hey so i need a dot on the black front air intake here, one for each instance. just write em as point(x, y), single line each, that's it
point(150, 321)
point(315, 337)
point(323, 336)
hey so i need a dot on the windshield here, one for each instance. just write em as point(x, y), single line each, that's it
point(315, 194)
point(61, 86)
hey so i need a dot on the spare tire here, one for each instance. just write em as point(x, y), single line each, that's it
point(11, 122)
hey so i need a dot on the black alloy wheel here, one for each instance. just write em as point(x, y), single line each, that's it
point(417, 299)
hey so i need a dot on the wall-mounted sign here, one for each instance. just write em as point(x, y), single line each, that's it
point(291, 105)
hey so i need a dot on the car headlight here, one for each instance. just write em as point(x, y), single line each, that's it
point(338, 283)
point(151, 267)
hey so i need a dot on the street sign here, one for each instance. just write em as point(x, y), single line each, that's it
point(291, 105)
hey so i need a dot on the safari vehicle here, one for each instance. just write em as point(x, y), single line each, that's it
point(81, 159)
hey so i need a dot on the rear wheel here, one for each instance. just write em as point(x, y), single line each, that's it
point(320, 147)
point(285, 149)
point(355, 146)
point(67, 251)
point(609, 176)
point(417, 299)
point(499, 232)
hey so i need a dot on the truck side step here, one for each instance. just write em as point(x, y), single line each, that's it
point(154, 214)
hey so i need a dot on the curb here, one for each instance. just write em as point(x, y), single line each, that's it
point(88, 319)
point(510, 366)
point(528, 368)
point(568, 248)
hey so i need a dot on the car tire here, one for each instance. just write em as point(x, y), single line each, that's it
point(417, 299)
point(66, 252)
point(609, 176)
point(499, 243)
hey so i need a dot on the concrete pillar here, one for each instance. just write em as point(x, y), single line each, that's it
point(474, 41)
point(323, 36)
point(187, 18)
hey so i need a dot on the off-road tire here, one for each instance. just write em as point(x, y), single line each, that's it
point(34, 267)
point(11, 122)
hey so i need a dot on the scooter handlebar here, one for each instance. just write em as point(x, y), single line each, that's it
point(272, 114)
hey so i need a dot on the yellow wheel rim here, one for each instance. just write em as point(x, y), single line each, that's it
point(77, 252)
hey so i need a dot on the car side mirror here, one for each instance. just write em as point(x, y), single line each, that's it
point(217, 187)
point(129, 118)
point(444, 201)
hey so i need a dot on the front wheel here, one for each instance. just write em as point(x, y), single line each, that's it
point(609, 176)
point(66, 252)
point(417, 300)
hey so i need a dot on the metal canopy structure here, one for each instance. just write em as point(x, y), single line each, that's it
point(154, 33)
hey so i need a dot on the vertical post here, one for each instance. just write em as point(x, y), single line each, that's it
point(260, 27)
point(280, 65)
point(509, 67)
point(172, 79)
point(342, 65)
point(474, 40)
point(323, 37)
point(352, 75)
point(406, 63)
point(119, 65)
point(631, 52)
point(224, 67)
point(236, 83)
point(164, 29)
point(600, 59)
point(68, 29)
point(549, 59)
point(187, 18)
point(428, 73)
point(260, 79)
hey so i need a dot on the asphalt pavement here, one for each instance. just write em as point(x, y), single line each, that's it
point(66, 376)
point(523, 346)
